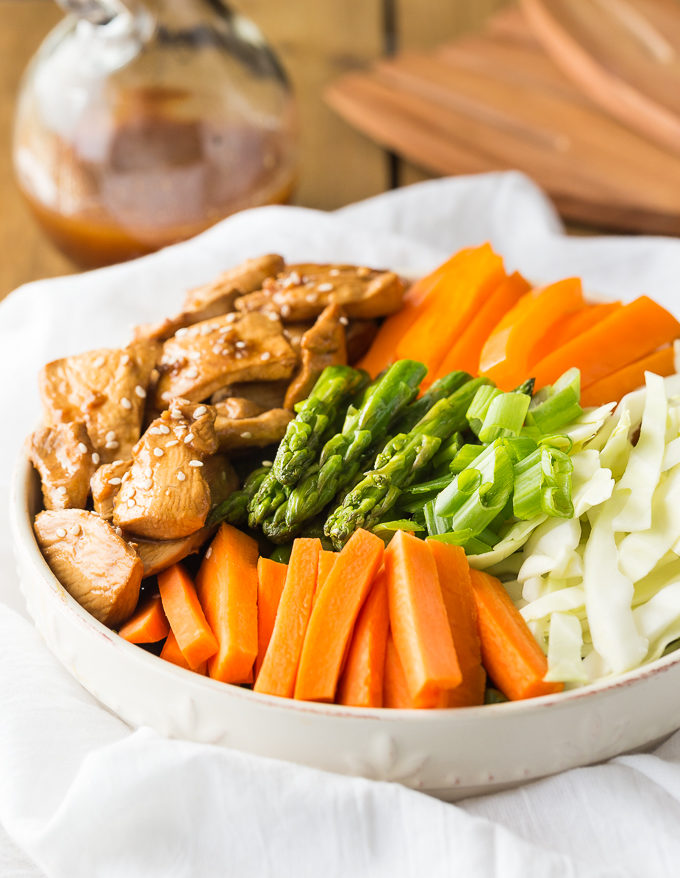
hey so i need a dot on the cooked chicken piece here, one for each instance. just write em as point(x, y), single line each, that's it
point(93, 563)
point(104, 388)
point(264, 394)
point(359, 335)
point(303, 291)
point(65, 459)
point(246, 277)
point(163, 496)
point(322, 345)
point(236, 407)
point(246, 347)
point(294, 333)
point(157, 555)
point(105, 485)
point(220, 476)
point(254, 432)
point(164, 329)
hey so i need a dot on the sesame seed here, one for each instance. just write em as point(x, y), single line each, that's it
point(131, 502)
point(231, 317)
point(311, 297)
point(115, 481)
point(76, 530)
point(206, 330)
point(111, 446)
point(166, 396)
point(209, 552)
point(180, 476)
point(334, 272)
point(61, 533)
point(156, 431)
point(110, 436)
point(191, 373)
point(82, 447)
point(147, 485)
point(119, 531)
point(200, 411)
point(181, 332)
point(325, 288)
point(285, 310)
point(158, 452)
point(188, 438)
point(294, 278)
point(95, 459)
point(164, 429)
point(273, 315)
point(265, 356)
point(116, 462)
point(240, 344)
point(246, 435)
point(344, 320)
point(125, 359)
point(171, 443)
point(267, 463)
point(139, 390)
point(98, 363)
point(125, 402)
point(195, 463)
point(217, 350)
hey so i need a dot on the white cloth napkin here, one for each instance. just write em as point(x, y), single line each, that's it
point(83, 795)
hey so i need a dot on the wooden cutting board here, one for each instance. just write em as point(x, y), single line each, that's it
point(496, 101)
point(624, 54)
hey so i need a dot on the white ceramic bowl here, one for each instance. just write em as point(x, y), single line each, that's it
point(448, 753)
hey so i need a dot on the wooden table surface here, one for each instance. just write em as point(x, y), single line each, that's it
point(316, 39)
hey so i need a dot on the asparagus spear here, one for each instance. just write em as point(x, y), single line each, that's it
point(235, 508)
point(343, 454)
point(303, 437)
point(441, 388)
point(304, 434)
point(402, 459)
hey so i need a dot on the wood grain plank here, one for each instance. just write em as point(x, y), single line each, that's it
point(26, 253)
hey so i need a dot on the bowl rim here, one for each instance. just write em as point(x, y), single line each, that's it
point(21, 520)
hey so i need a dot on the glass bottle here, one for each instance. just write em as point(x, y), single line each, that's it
point(143, 122)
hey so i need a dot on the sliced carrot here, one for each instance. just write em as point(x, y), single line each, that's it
point(172, 653)
point(454, 579)
point(627, 335)
point(361, 682)
point(280, 665)
point(383, 351)
point(227, 589)
point(326, 562)
point(395, 688)
point(450, 308)
point(572, 326)
point(185, 615)
point(149, 623)
point(619, 383)
point(335, 611)
point(508, 351)
point(418, 620)
point(512, 657)
point(271, 577)
point(467, 348)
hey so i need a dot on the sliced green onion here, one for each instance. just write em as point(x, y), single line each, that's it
point(387, 528)
point(472, 545)
point(427, 487)
point(435, 524)
point(482, 506)
point(554, 407)
point(504, 416)
point(480, 405)
point(464, 458)
point(543, 485)
point(520, 447)
point(558, 441)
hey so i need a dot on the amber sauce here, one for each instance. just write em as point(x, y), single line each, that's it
point(156, 179)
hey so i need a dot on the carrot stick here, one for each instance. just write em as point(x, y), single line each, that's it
point(572, 326)
point(185, 615)
point(627, 335)
point(361, 683)
point(382, 352)
point(466, 350)
point(395, 688)
point(454, 579)
point(227, 589)
point(619, 383)
point(418, 620)
point(271, 577)
point(450, 308)
point(280, 665)
point(149, 623)
point(335, 611)
point(326, 562)
point(511, 655)
point(172, 653)
point(508, 351)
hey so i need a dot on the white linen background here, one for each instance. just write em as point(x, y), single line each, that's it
point(83, 795)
